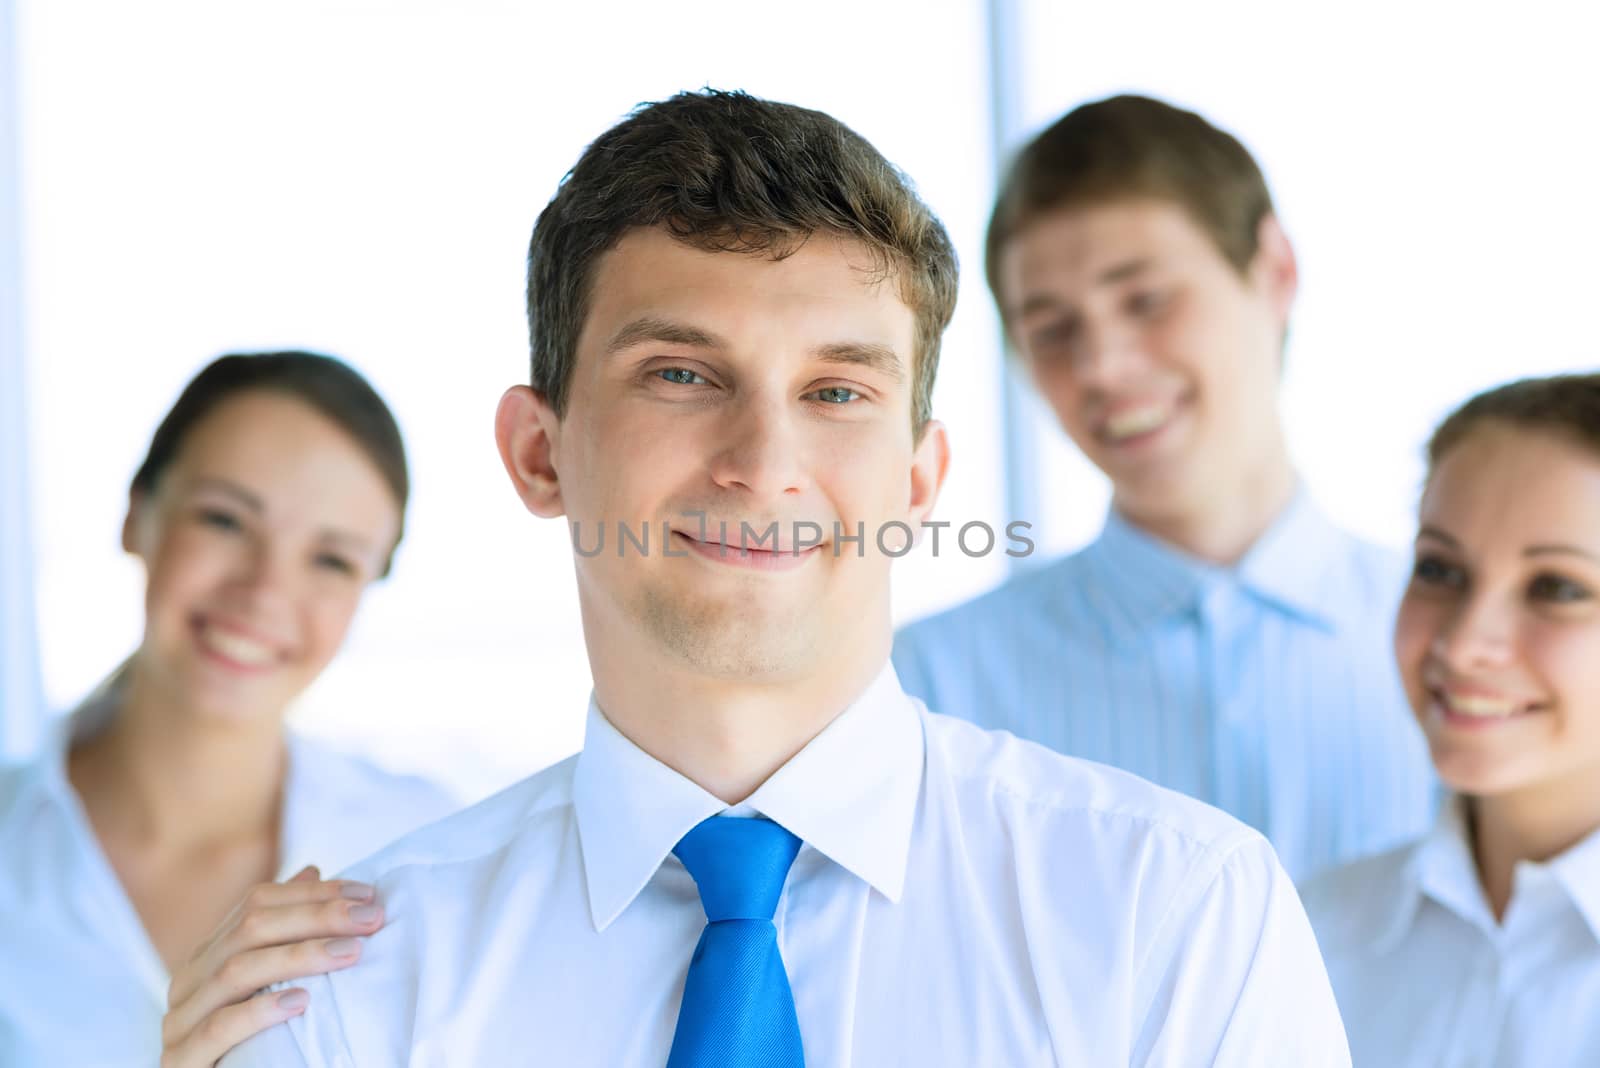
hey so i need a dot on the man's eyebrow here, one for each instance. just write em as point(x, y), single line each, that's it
point(653, 328)
point(880, 358)
point(1437, 535)
point(1122, 271)
point(1034, 303)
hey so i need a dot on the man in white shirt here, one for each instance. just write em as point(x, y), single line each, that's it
point(766, 853)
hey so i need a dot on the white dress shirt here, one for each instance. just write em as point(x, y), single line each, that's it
point(961, 898)
point(1426, 977)
point(81, 986)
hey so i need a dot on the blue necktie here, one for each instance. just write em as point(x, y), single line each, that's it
point(738, 1010)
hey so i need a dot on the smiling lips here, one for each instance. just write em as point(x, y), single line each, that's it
point(1477, 709)
point(784, 558)
point(239, 650)
point(1136, 421)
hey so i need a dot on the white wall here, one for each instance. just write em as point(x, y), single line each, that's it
point(21, 711)
point(1436, 166)
point(362, 178)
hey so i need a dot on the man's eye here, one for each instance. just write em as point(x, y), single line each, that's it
point(1145, 304)
point(1051, 338)
point(1558, 590)
point(680, 376)
point(335, 562)
point(1432, 571)
point(836, 395)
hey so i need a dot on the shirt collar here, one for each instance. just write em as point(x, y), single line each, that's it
point(48, 775)
point(1286, 567)
point(298, 844)
point(1289, 564)
point(1442, 869)
point(850, 794)
point(1578, 872)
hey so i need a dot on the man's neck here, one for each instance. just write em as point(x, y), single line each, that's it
point(728, 736)
point(1223, 526)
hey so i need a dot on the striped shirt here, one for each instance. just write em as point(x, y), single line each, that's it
point(1267, 689)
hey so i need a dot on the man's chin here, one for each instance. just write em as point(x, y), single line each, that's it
point(738, 659)
point(732, 640)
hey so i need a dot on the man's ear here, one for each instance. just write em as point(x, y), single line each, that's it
point(1275, 269)
point(930, 462)
point(527, 431)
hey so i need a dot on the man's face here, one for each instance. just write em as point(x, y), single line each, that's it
point(1160, 360)
point(756, 392)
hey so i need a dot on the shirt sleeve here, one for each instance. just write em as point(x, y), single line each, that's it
point(1234, 978)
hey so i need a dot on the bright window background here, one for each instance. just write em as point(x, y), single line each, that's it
point(361, 178)
point(1437, 169)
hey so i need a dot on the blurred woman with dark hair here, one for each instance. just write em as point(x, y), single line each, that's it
point(1480, 944)
point(273, 494)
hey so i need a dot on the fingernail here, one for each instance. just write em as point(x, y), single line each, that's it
point(356, 891)
point(365, 913)
point(293, 1000)
point(344, 947)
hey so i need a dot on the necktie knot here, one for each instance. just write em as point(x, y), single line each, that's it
point(739, 865)
point(738, 1010)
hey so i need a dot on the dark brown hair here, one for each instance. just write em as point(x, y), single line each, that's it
point(1134, 147)
point(728, 172)
point(332, 387)
point(1567, 406)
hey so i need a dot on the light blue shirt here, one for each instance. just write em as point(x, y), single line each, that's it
point(1267, 689)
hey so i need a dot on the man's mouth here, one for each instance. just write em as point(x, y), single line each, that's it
point(1133, 423)
point(777, 556)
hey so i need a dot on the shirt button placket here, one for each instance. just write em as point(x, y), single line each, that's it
point(1478, 1021)
point(1213, 617)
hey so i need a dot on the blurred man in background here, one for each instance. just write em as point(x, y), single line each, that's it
point(1221, 636)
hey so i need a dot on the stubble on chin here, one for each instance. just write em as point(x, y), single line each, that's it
point(732, 639)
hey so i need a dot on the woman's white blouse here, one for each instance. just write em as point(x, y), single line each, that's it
point(1425, 976)
point(80, 982)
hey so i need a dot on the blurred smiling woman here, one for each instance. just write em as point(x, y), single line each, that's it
point(1480, 944)
point(272, 496)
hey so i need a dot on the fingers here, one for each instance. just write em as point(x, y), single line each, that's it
point(279, 932)
point(244, 973)
point(222, 1030)
point(276, 914)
